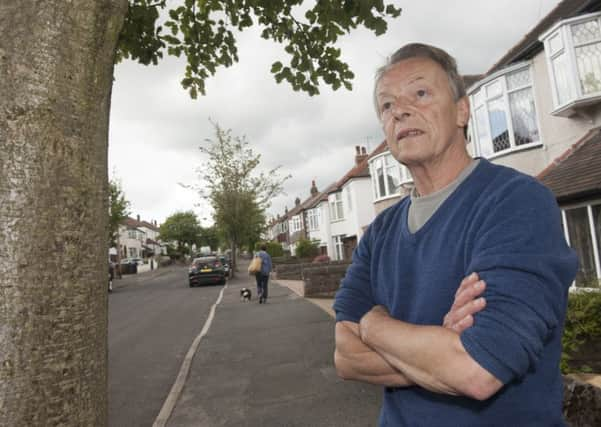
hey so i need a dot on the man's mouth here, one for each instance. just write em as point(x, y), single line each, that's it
point(407, 133)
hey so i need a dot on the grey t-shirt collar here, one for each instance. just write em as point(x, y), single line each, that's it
point(422, 208)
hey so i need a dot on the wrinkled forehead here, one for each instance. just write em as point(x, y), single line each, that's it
point(412, 70)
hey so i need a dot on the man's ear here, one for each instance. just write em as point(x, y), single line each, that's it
point(463, 112)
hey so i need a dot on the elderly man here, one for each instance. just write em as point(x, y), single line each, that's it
point(456, 296)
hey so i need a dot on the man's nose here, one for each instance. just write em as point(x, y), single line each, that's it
point(401, 108)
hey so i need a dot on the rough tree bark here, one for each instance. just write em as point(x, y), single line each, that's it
point(56, 67)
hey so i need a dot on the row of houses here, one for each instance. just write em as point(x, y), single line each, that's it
point(138, 239)
point(537, 109)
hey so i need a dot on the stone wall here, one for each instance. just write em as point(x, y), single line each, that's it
point(292, 271)
point(295, 270)
point(581, 403)
point(323, 280)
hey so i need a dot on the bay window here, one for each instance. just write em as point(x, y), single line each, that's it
point(387, 176)
point(573, 52)
point(504, 113)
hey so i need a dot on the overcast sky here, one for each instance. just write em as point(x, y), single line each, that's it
point(156, 128)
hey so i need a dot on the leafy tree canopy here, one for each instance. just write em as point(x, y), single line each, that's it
point(202, 30)
point(238, 193)
point(209, 236)
point(118, 211)
point(181, 227)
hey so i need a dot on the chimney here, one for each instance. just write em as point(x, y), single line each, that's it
point(297, 201)
point(361, 154)
point(285, 210)
point(314, 190)
point(138, 216)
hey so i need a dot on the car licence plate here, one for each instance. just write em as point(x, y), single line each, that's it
point(205, 270)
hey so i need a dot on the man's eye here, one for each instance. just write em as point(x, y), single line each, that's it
point(421, 93)
point(386, 106)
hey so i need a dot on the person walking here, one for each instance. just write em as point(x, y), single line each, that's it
point(262, 275)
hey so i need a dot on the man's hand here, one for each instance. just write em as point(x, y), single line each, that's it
point(467, 303)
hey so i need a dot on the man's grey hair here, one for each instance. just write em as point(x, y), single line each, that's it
point(419, 50)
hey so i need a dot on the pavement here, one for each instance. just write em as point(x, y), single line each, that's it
point(270, 365)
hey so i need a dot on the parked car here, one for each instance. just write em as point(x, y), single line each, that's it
point(137, 261)
point(206, 270)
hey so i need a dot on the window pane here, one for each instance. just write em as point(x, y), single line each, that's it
point(580, 240)
point(339, 210)
point(555, 43)
point(479, 97)
point(393, 178)
point(494, 89)
point(586, 32)
point(523, 116)
point(561, 72)
point(518, 79)
point(381, 185)
point(498, 125)
point(588, 59)
point(483, 138)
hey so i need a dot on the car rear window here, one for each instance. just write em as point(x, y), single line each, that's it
point(204, 260)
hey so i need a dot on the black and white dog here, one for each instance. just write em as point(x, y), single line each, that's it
point(245, 294)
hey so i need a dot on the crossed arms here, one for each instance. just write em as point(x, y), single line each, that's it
point(386, 351)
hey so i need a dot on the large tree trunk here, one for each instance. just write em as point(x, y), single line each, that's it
point(56, 64)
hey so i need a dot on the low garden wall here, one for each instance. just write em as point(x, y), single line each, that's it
point(292, 268)
point(323, 280)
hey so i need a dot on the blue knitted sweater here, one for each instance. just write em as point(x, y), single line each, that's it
point(505, 226)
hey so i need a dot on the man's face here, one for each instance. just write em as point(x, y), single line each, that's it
point(421, 121)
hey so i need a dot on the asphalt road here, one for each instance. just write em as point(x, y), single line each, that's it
point(153, 319)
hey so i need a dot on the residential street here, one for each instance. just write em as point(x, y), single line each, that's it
point(258, 365)
point(153, 319)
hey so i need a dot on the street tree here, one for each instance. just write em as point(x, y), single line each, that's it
point(236, 190)
point(209, 236)
point(56, 72)
point(182, 228)
point(118, 211)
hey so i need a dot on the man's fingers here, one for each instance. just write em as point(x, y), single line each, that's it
point(468, 294)
point(463, 324)
point(466, 282)
point(459, 315)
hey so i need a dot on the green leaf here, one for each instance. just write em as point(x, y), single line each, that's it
point(276, 67)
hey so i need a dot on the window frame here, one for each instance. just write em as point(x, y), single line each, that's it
point(338, 245)
point(480, 90)
point(382, 161)
point(576, 98)
point(295, 224)
point(596, 244)
point(336, 205)
point(313, 219)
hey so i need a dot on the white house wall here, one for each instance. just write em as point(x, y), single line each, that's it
point(363, 202)
point(323, 234)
